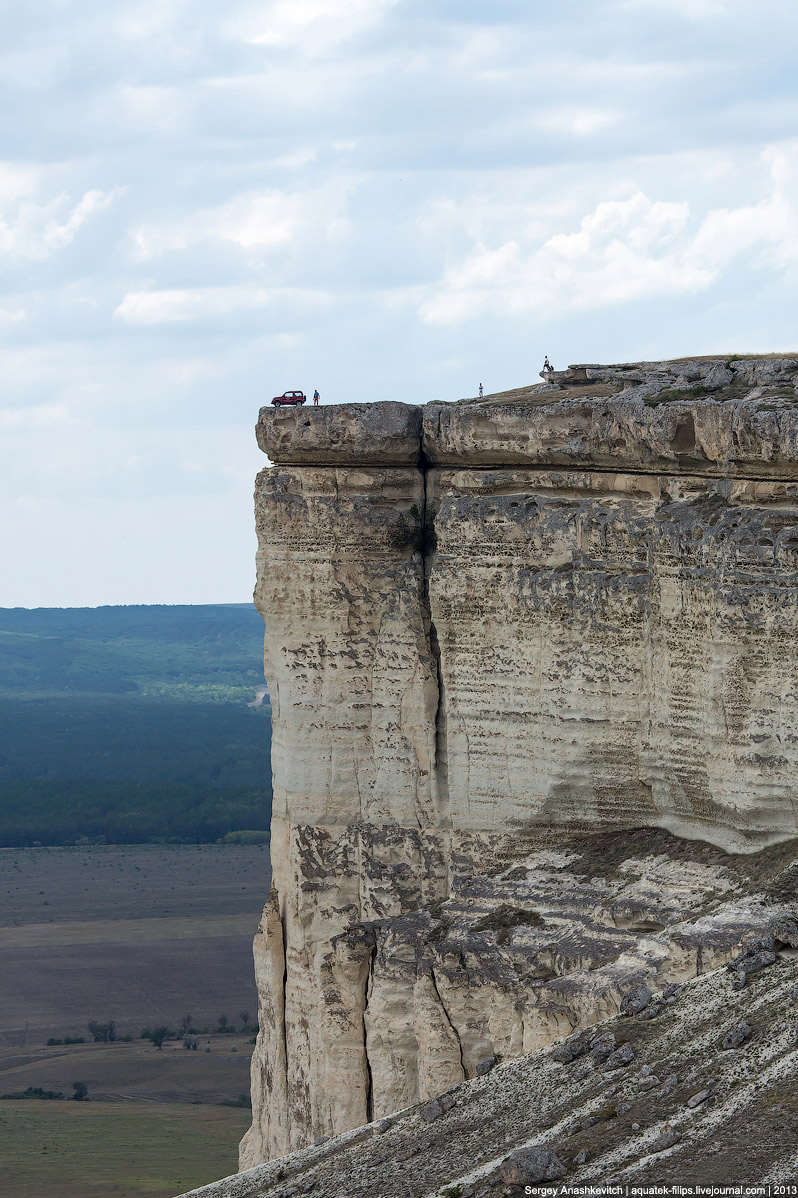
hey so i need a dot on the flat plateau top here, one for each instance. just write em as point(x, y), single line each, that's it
point(598, 381)
point(734, 417)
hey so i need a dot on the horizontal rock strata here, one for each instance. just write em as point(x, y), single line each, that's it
point(616, 647)
point(730, 420)
point(385, 434)
point(491, 628)
point(356, 821)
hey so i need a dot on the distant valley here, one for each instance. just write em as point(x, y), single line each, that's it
point(129, 750)
point(126, 725)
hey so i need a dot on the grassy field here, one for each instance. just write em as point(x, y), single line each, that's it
point(134, 1150)
point(142, 935)
point(131, 882)
point(146, 729)
point(216, 1072)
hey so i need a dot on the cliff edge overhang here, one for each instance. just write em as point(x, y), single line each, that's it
point(732, 418)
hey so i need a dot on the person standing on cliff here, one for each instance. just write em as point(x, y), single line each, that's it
point(480, 390)
point(316, 398)
point(547, 366)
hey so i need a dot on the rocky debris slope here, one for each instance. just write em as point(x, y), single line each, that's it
point(693, 1085)
point(494, 628)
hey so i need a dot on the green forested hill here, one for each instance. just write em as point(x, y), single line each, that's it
point(131, 724)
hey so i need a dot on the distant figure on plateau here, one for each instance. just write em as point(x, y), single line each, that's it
point(315, 398)
point(547, 367)
point(480, 390)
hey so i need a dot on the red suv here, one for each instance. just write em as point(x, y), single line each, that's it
point(290, 397)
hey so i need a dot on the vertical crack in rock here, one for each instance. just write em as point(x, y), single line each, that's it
point(356, 824)
point(283, 1027)
point(428, 549)
point(448, 1017)
point(369, 1076)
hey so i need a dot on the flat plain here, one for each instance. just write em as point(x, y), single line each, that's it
point(142, 935)
point(138, 934)
point(130, 1150)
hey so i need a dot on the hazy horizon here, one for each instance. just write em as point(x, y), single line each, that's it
point(94, 606)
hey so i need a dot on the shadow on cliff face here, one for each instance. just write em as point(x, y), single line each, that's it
point(601, 854)
point(772, 870)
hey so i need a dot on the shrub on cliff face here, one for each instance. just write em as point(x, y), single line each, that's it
point(406, 533)
point(439, 932)
point(413, 531)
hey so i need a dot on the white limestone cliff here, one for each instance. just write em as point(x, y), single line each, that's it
point(521, 624)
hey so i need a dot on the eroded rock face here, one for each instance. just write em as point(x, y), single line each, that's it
point(735, 420)
point(616, 647)
point(384, 434)
point(358, 833)
point(583, 618)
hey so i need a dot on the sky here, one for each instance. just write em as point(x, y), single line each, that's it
point(204, 205)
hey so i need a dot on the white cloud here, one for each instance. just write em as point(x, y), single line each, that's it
point(151, 20)
point(34, 68)
point(310, 26)
point(150, 107)
point(579, 122)
point(623, 251)
point(45, 416)
point(39, 231)
point(11, 316)
point(307, 176)
point(181, 304)
point(16, 181)
point(250, 221)
point(178, 305)
point(692, 10)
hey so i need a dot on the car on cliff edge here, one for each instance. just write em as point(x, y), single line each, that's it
point(290, 398)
